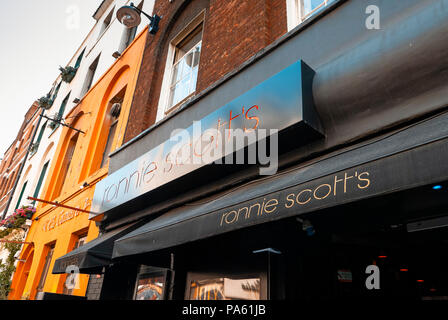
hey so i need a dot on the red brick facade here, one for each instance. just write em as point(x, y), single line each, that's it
point(14, 156)
point(233, 32)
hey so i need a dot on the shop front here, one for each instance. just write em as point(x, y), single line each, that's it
point(347, 199)
point(317, 234)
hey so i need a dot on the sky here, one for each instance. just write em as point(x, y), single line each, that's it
point(36, 37)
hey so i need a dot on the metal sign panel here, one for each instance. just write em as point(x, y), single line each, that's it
point(280, 102)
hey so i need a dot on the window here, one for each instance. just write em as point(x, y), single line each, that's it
point(55, 94)
point(40, 181)
point(300, 10)
point(110, 138)
point(78, 61)
point(151, 283)
point(35, 146)
point(90, 75)
point(43, 275)
point(79, 242)
point(185, 67)
point(60, 114)
point(226, 287)
point(66, 163)
point(106, 22)
point(21, 195)
point(182, 65)
point(110, 124)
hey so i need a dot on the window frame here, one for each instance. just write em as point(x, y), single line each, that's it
point(109, 142)
point(294, 10)
point(45, 267)
point(171, 106)
point(106, 23)
point(90, 76)
point(163, 109)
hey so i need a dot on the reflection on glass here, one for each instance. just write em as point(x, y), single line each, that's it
point(225, 289)
point(150, 288)
point(311, 6)
point(185, 68)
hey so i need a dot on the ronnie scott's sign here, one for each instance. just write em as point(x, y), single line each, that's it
point(279, 102)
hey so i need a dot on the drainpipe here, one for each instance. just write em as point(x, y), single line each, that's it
point(23, 164)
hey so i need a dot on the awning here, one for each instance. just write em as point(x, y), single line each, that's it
point(91, 257)
point(404, 159)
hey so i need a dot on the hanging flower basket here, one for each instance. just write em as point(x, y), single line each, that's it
point(18, 218)
point(67, 73)
point(45, 102)
point(26, 212)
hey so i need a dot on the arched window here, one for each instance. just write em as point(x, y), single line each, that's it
point(110, 125)
point(66, 164)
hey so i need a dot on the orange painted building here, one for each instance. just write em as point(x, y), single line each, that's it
point(81, 160)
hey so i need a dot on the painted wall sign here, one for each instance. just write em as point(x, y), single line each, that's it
point(57, 219)
point(279, 102)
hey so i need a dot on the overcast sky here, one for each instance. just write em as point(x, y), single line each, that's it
point(36, 37)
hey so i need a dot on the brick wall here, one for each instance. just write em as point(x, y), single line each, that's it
point(14, 156)
point(234, 30)
point(94, 287)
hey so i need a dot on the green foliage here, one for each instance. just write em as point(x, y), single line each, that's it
point(67, 73)
point(45, 102)
point(7, 269)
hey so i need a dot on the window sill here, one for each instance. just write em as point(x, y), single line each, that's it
point(179, 104)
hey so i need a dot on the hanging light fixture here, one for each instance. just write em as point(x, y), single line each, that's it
point(130, 16)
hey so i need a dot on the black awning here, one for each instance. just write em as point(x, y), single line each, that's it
point(93, 256)
point(400, 160)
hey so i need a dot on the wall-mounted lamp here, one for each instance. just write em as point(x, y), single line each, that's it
point(130, 17)
point(116, 54)
point(76, 100)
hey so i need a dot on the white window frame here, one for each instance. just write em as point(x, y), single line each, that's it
point(294, 9)
point(163, 109)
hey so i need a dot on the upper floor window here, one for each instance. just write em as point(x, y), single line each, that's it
point(66, 164)
point(181, 70)
point(110, 124)
point(41, 180)
point(35, 145)
point(185, 67)
point(21, 195)
point(90, 76)
point(106, 22)
point(78, 61)
point(300, 10)
point(58, 117)
point(56, 91)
